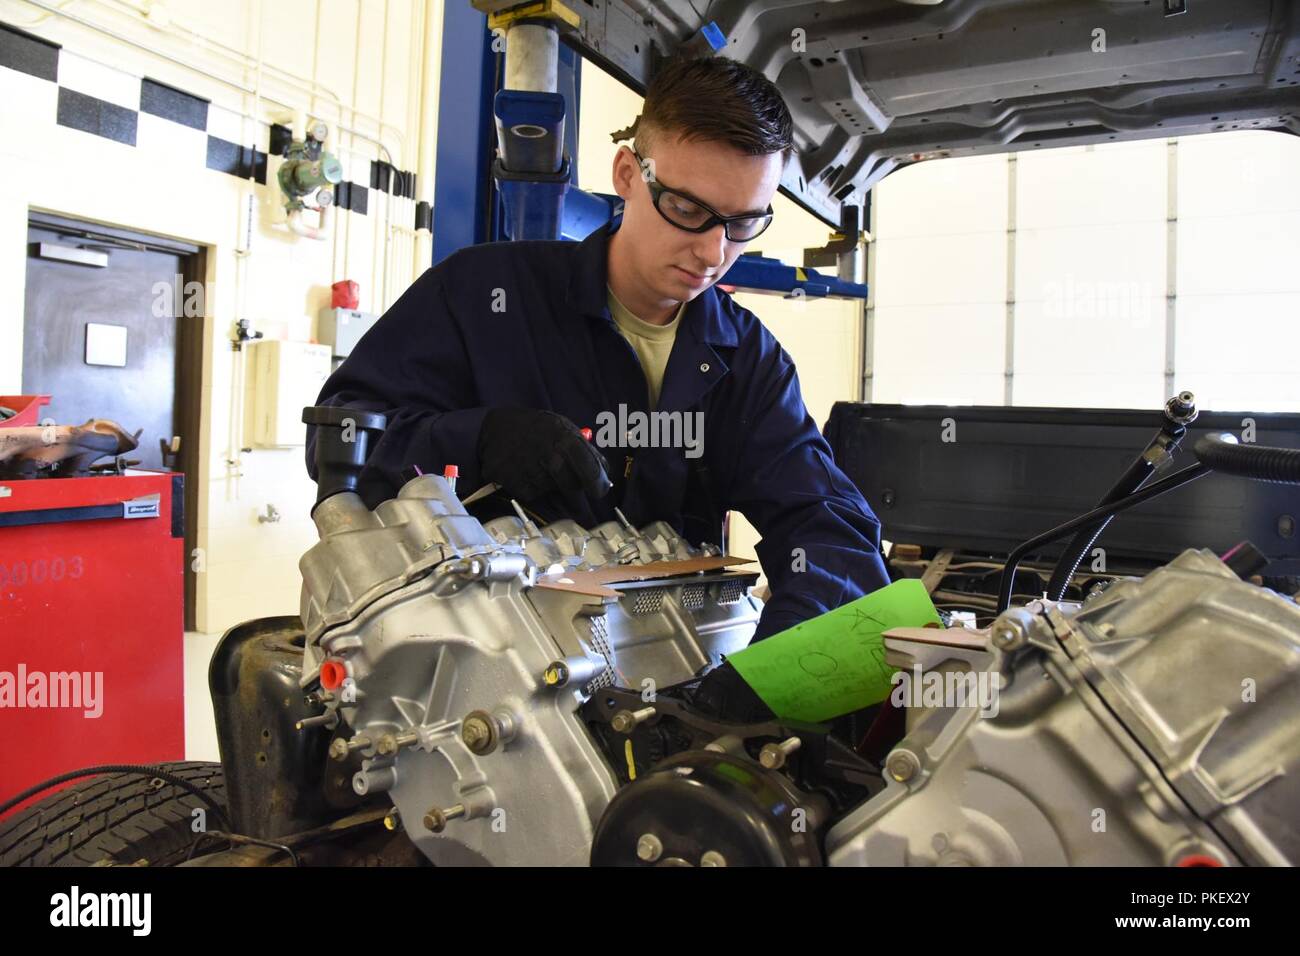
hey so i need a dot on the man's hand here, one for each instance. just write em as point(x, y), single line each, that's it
point(724, 695)
point(532, 453)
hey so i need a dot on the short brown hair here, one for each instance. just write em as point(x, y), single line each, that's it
point(716, 99)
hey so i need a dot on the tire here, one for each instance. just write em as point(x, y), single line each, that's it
point(113, 819)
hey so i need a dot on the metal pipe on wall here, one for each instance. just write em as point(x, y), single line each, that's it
point(310, 84)
point(390, 229)
point(208, 74)
point(382, 304)
point(235, 425)
point(430, 67)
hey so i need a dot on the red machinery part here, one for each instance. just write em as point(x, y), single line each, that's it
point(28, 408)
point(332, 674)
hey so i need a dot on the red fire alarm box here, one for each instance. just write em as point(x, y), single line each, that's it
point(345, 294)
point(91, 623)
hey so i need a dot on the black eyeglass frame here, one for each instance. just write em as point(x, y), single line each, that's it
point(657, 190)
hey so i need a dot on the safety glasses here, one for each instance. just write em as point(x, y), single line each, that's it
point(687, 212)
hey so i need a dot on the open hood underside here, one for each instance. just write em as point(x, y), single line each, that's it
point(877, 84)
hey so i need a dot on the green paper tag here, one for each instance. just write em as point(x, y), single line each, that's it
point(834, 664)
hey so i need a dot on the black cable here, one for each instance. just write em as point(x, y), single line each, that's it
point(1134, 477)
point(142, 770)
point(235, 839)
point(1105, 511)
point(1179, 412)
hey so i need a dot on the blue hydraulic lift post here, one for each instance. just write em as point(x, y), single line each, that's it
point(463, 200)
point(536, 174)
point(569, 85)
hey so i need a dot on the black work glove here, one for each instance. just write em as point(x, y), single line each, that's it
point(532, 453)
point(724, 695)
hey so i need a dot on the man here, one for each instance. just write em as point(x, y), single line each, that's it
point(494, 359)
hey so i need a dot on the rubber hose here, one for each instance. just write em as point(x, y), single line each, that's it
point(1260, 462)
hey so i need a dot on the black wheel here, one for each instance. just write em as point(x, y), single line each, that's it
point(114, 818)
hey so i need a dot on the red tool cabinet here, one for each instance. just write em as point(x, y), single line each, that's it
point(91, 583)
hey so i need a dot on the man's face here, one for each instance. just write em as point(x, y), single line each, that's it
point(671, 264)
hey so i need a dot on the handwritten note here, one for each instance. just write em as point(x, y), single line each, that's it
point(834, 664)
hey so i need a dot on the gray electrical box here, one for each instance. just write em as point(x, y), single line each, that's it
point(340, 329)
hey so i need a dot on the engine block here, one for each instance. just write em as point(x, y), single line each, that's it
point(1157, 724)
point(454, 656)
point(489, 679)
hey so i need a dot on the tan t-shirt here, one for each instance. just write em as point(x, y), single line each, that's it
point(652, 343)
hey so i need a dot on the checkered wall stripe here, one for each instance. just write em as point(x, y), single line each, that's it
point(113, 111)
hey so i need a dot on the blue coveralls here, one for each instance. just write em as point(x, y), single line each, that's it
point(526, 323)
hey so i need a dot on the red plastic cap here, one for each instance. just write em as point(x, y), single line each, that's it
point(332, 674)
point(1199, 859)
point(451, 471)
point(586, 433)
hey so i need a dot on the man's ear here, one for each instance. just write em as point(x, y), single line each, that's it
point(626, 172)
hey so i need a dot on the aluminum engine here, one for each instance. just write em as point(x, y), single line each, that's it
point(459, 665)
point(459, 653)
point(1157, 724)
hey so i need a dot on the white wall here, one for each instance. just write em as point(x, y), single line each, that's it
point(368, 53)
point(1238, 274)
point(823, 337)
point(1103, 239)
point(939, 299)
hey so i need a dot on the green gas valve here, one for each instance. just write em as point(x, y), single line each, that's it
point(307, 168)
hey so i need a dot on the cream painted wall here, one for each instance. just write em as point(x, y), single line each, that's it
point(366, 54)
point(822, 337)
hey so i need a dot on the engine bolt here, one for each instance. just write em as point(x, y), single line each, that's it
point(556, 675)
point(626, 721)
point(340, 748)
point(393, 819)
point(902, 765)
point(1007, 636)
point(773, 756)
point(436, 819)
point(391, 743)
point(328, 719)
point(649, 848)
point(481, 732)
point(713, 858)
